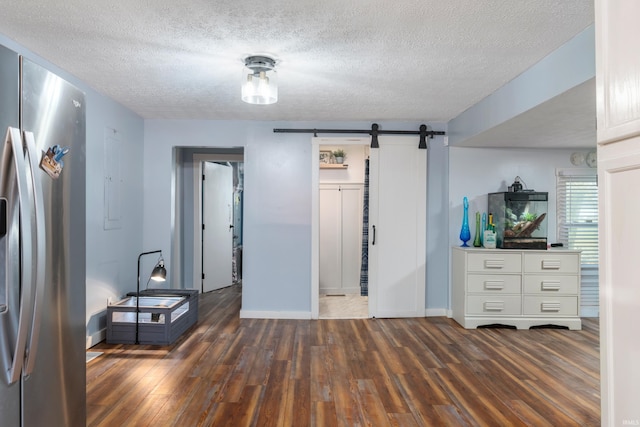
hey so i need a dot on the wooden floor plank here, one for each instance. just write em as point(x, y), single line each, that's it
point(423, 412)
point(301, 357)
point(450, 416)
point(273, 404)
point(343, 387)
point(298, 410)
point(373, 411)
point(324, 414)
point(380, 372)
point(403, 420)
point(320, 383)
point(388, 389)
point(527, 414)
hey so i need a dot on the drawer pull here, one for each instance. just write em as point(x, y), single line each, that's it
point(550, 306)
point(494, 285)
point(548, 285)
point(494, 306)
point(494, 263)
point(551, 264)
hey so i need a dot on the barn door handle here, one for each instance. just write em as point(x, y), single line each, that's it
point(374, 236)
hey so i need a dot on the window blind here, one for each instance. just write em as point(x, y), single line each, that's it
point(577, 228)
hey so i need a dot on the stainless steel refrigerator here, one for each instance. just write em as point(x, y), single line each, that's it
point(42, 247)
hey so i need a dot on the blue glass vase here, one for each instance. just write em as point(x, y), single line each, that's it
point(465, 233)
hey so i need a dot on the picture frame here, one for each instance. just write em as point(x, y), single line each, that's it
point(325, 157)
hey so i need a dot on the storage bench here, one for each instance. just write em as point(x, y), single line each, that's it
point(165, 314)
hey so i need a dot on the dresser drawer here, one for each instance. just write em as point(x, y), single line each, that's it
point(494, 262)
point(551, 285)
point(551, 262)
point(508, 305)
point(494, 284)
point(550, 305)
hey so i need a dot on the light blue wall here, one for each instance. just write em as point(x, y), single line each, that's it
point(490, 170)
point(278, 186)
point(437, 292)
point(475, 172)
point(277, 222)
point(568, 66)
point(111, 255)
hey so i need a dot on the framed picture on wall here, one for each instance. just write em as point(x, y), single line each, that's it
point(325, 157)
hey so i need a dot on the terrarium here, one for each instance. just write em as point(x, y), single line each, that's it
point(520, 219)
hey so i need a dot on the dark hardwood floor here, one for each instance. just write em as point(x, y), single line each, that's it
point(228, 371)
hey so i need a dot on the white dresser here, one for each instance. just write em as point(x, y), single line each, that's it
point(521, 288)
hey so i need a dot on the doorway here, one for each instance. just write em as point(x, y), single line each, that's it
point(343, 291)
point(221, 231)
point(187, 265)
point(218, 220)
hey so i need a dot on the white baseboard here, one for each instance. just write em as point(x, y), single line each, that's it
point(95, 338)
point(355, 290)
point(295, 315)
point(435, 312)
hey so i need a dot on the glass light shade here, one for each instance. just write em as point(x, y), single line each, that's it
point(260, 83)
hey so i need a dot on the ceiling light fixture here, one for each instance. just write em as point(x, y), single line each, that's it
point(259, 80)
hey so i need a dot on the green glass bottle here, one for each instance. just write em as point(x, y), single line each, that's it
point(477, 242)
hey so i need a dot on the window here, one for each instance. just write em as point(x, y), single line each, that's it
point(577, 222)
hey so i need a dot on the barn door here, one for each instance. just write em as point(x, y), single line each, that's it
point(397, 228)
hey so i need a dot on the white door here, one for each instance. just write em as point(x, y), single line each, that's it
point(617, 77)
point(397, 228)
point(217, 226)
point(330, 240)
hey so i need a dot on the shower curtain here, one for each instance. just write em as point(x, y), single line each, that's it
point(364, 266)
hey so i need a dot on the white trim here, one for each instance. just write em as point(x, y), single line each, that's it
point(96, 337)
point(292, 315)
point(435, 312)
point(576, 172)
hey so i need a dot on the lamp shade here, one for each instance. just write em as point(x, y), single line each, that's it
point(159, 273)
point(259, 81)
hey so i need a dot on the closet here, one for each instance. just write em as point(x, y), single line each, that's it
point(340, 237)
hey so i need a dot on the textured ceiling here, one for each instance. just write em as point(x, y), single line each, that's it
point(565, 121)
point(414, 60)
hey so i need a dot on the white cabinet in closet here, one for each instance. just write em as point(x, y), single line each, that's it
point(340, 238)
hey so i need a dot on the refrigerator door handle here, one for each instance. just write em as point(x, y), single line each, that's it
point(14, 149)
point(38, 267)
